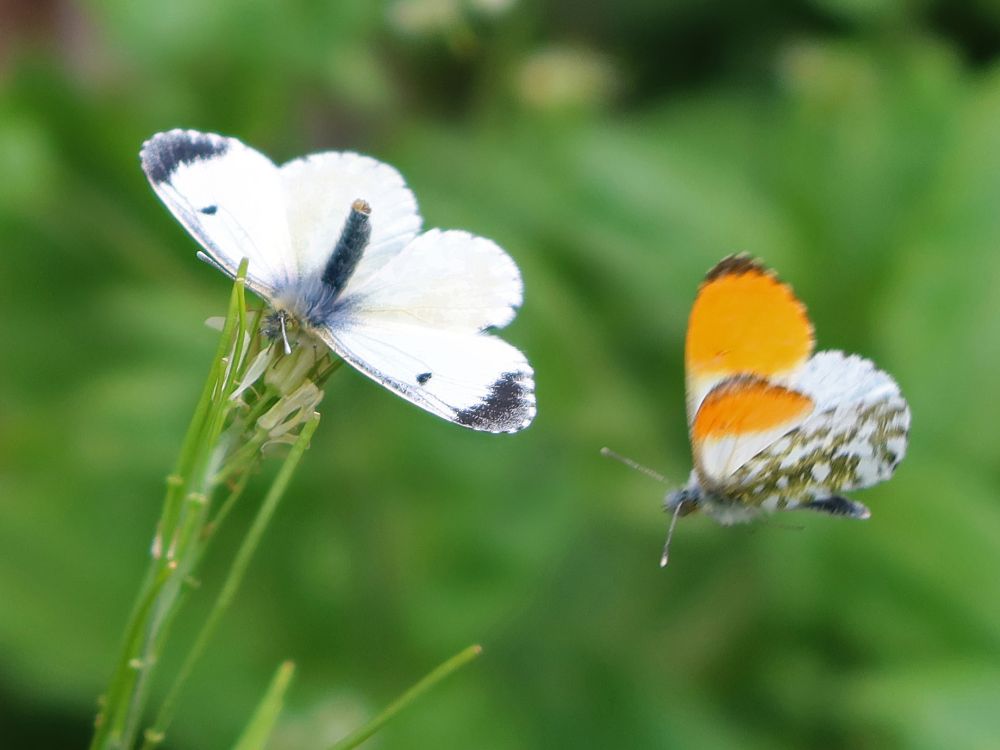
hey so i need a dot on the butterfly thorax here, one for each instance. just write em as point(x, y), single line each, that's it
point(308, 300)
point(724, 508)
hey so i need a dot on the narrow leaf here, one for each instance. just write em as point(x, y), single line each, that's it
point(258, 730)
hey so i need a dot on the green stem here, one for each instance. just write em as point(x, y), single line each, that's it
point(126, 669)
point(227, 505)
point(190, 509)
point(453, 664)
point(241, 458)
point(156, 733)
point(261, 405)
point(196, 438)
point(124, 699)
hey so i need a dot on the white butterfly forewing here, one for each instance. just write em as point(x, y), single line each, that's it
point(319, 190)
point(443, 279)
point(229, 197)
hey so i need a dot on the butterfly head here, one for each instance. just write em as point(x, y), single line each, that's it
point(678, 503)
point(684, 501)
point(280, 325)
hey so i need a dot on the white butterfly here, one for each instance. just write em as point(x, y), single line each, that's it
point(333, 241)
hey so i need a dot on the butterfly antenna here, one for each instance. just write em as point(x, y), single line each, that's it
point(608, 453)
point(284, 333)
point(665, 557)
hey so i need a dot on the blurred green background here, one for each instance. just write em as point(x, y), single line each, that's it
point(617, 151)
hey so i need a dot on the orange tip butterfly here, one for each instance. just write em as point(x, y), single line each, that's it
point(774, 426)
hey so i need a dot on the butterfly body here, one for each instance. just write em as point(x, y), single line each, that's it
point(334, 244)
point(773, 426)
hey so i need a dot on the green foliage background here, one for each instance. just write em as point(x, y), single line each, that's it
point(616, 151)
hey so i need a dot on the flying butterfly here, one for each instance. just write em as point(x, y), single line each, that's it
point(774, 426)
point(334, 244)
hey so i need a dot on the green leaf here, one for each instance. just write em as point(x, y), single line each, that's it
point(258, 730)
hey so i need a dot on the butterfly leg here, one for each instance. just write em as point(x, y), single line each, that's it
point(838, 506)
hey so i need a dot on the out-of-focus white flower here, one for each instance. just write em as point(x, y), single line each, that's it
point(562, 78)
point(426, 17)
point(420, 17)
point(492, 7)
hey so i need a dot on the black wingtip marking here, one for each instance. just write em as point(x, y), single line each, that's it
point(163, 153)
point(423, 377)
point(735, 265)
point(508, 407)
point(210, 210)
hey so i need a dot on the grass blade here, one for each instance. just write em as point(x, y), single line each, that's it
point(258, 731)
point(453, 664)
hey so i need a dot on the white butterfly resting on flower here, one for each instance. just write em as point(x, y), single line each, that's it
point(333, 244)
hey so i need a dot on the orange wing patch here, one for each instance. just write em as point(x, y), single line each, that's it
point(746, 405)
point(740, 418)
point(744, 321)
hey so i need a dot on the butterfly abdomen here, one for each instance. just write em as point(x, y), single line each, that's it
point(350, 247)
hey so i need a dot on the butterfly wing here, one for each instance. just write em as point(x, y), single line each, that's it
point(744, 321)
point(855, 437)
point(320, 189)
point(230, 198)
point(738, 419)
point(419, 325)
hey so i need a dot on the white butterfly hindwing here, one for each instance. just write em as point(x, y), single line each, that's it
point(422, 322)
point(855, 438)
point(480, 382)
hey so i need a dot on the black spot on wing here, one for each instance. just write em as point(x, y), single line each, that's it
point(508, 407)
point(163, 153)
point(209, 210)
point(423, 377)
